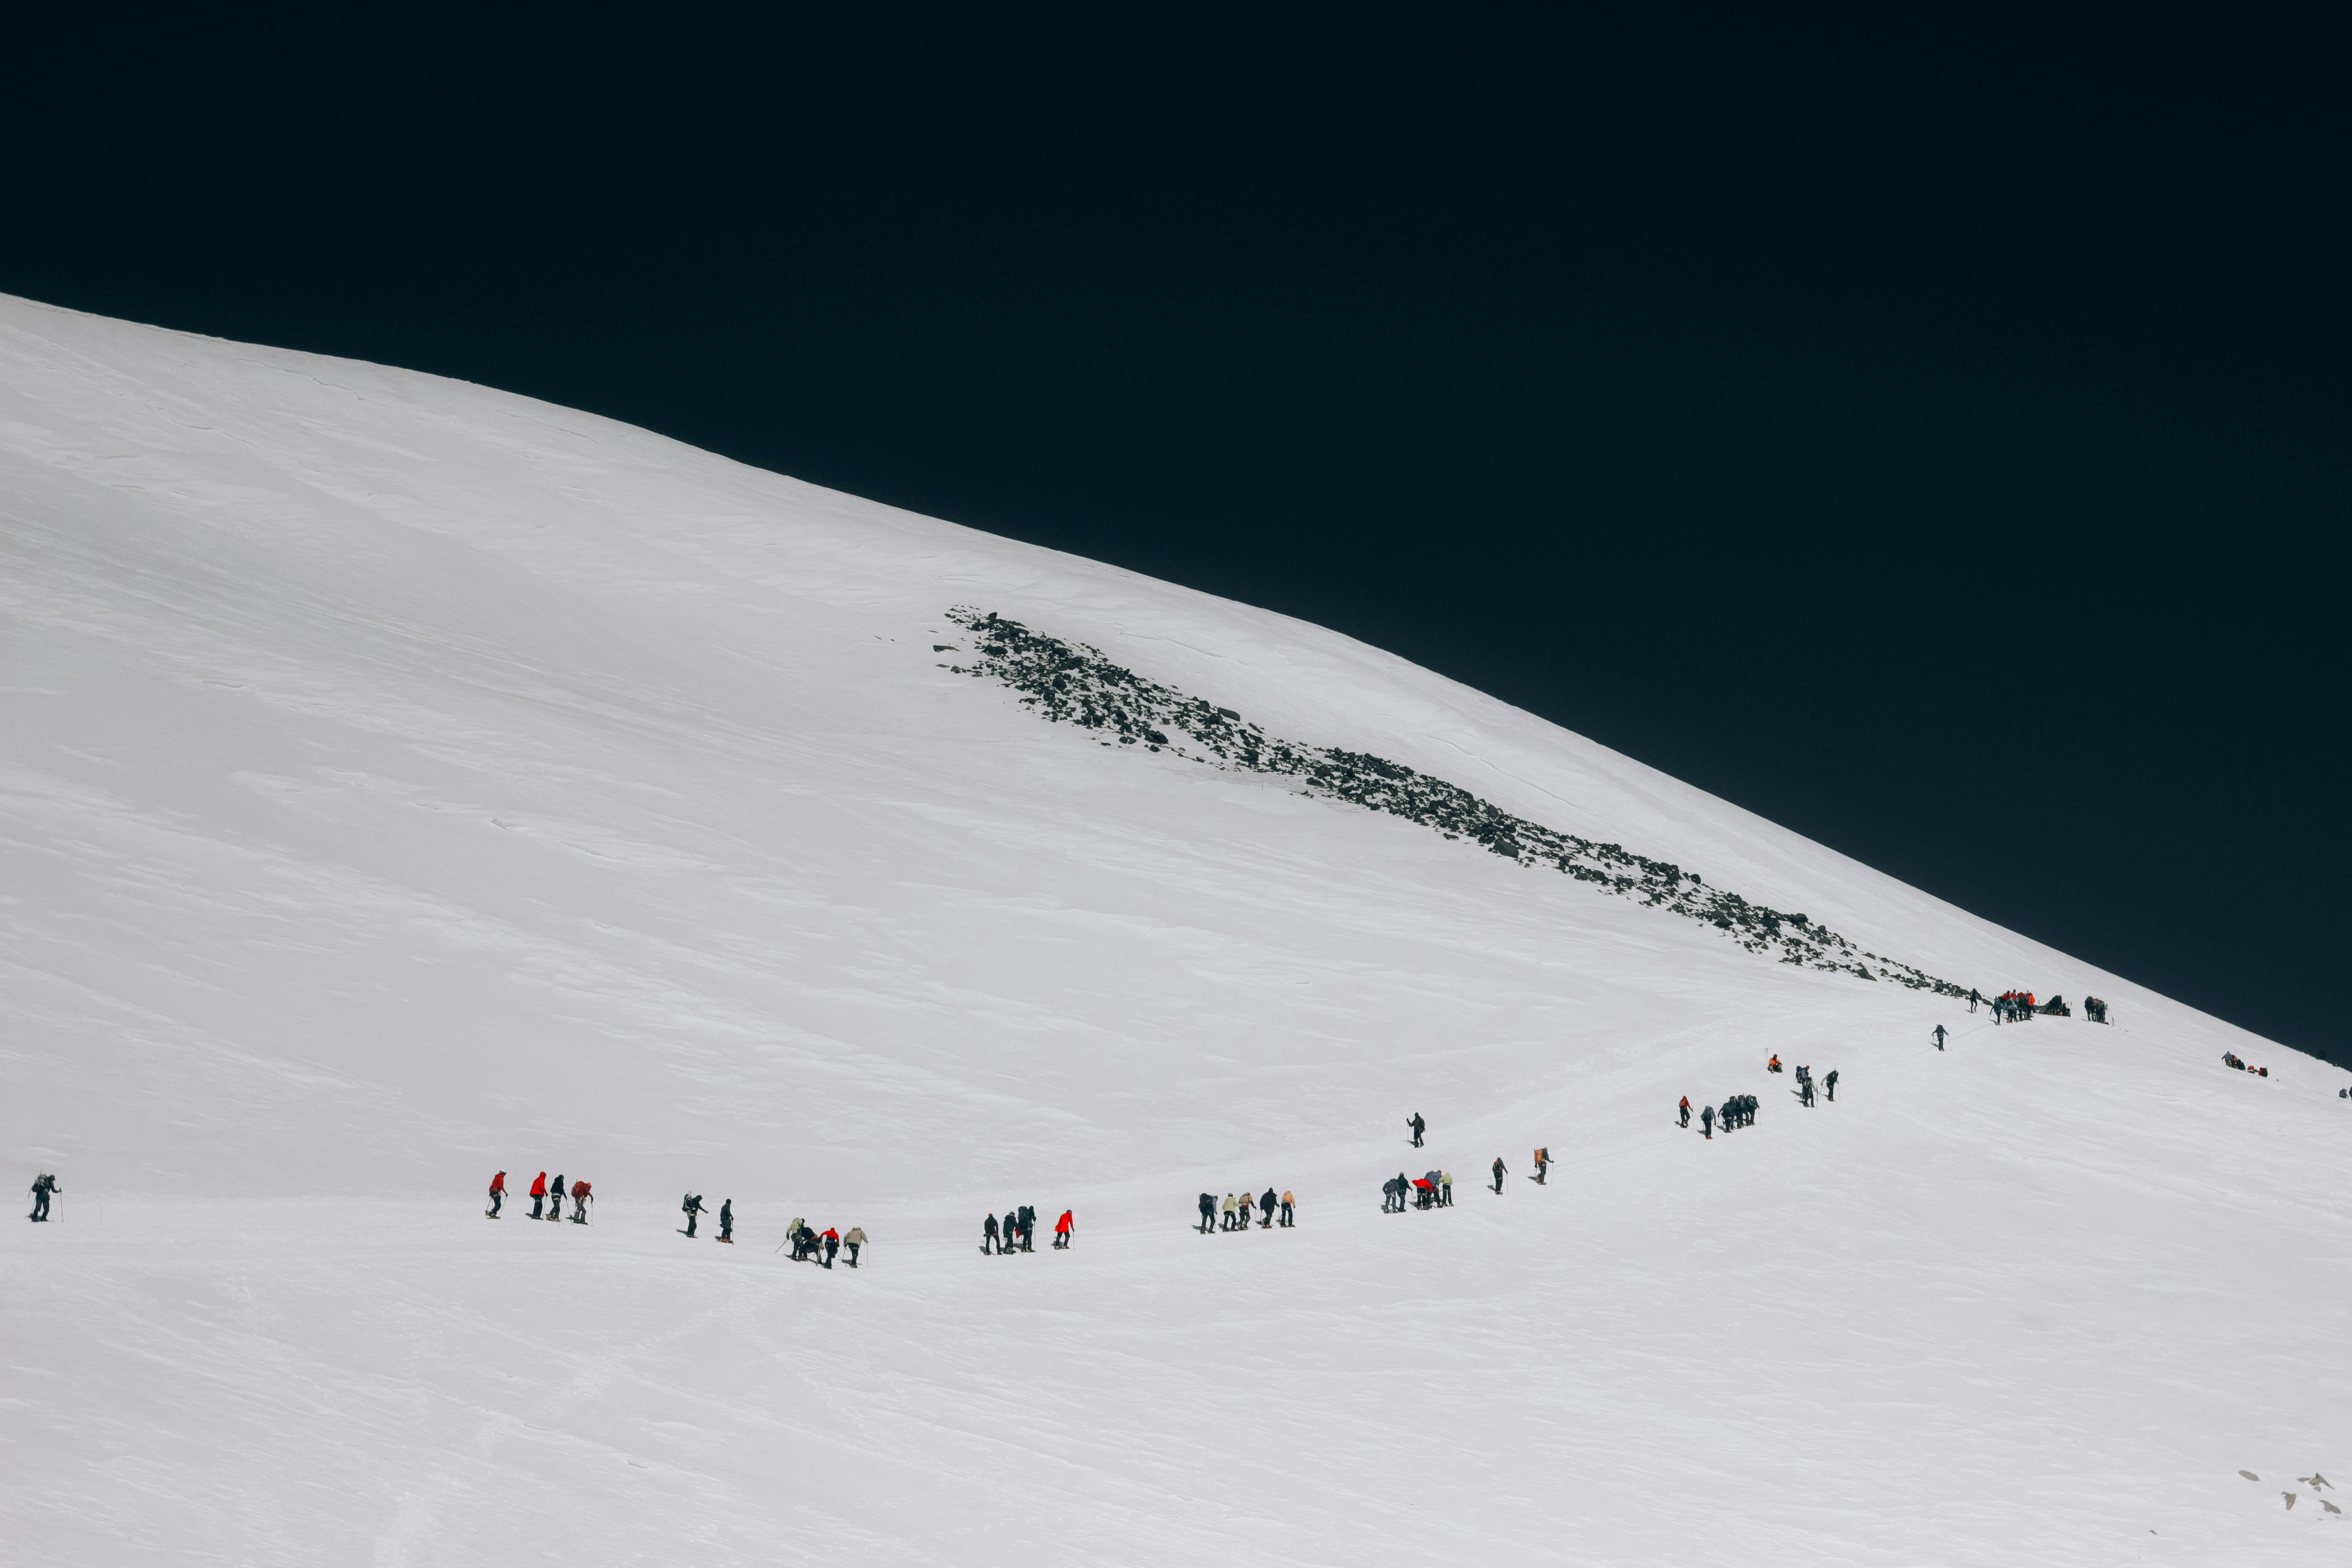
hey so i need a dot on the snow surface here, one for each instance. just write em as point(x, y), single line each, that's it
point(406, 781)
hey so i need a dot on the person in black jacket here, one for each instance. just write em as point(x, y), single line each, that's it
point(727, 1221)
point(692, 1209)
point(1208, 1213)
point(555, 1197)
point(1266, 1209)
point(1006, 1236)
point(1028, 1228)
point(1416, 1123)
point(1498, 1173)
point(1707, 1123)
point(988, 1235)
point(1830, 1083)
point(43, 1185)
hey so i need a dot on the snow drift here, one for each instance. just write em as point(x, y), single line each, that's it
point(406, 781)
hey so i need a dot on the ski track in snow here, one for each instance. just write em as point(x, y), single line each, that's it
point(404, 780)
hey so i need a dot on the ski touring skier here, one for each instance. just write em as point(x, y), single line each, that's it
point(727, 1221)
point(1498, 1173)
point(1288, 1200)
point(988, 1235)
point(1446, 1189)
point(1266, 1209)
point(1707, 1123)
point(555, 1197)
point(1805, 1092)
point(580, 1194)
point(852, 1239)
point(691, 1207)
point(498, 1194)
point(1940, 1036)
point(832, 1245)
point(1008, 1232)
point(1684, 1110)
point(1208, 1214)
point(1062, 1228)
point(1543, 1166)
point(43, 1185)
point(1830, 1083)
point(1028, 1228)
point(538, 1194)
point(1417, 1124)
point(1973, 998)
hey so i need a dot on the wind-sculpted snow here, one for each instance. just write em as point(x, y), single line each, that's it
point(1074, 683)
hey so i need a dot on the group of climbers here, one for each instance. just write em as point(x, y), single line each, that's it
point(544, 1195)
point(2012, 1008)
point(1432, 1191)
point(1018, 1231)
point(811, 1245)
point(2230, 1059)
point(1234, 1213)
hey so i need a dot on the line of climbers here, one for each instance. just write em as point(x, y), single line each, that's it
point(1018, 1231)
point(1233, 1214)
point(545, 1195)
point(809, 1247)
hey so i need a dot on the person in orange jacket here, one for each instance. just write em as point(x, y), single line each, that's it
point(498, 1194)
point(1061, 1232)
point(1774, 1065)
point(538, 1194)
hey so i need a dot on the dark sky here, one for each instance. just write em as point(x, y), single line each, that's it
point(1934, 442)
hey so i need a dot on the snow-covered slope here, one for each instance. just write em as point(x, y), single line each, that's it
point(406, 781)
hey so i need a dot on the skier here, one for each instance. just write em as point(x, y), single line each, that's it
point(1028, 1228)
point(727, 1221)
point(1940, 1036)
point(555, 1197)
point(1011, 1229)
point(1286, 1202)
point(43, 1185)
point(1390, 1199)
point(579, 1203)
point(1446, 1189)
point(1707, 1123)
point(1416, 1123)
point(1805, 1092)
point(691, 1207)
point(1266, 1210)
point(853, 1238)
point(987, 1234)
point(832, 1245)
point(1062, 1227)
point(497, 1193)
point(1686, 1111)
point(1498, 1173)
point(1972, 998)
point(538, 1194)
point(1208, 1212)
point(1830, 1083)
point(1543, 1165)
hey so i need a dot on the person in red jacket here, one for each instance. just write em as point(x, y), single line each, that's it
point(497, 1193)
point(538, 1194)
point(832, 1245)
point(1685, 1109)
point(1061, 1232)
point(579, 1195)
